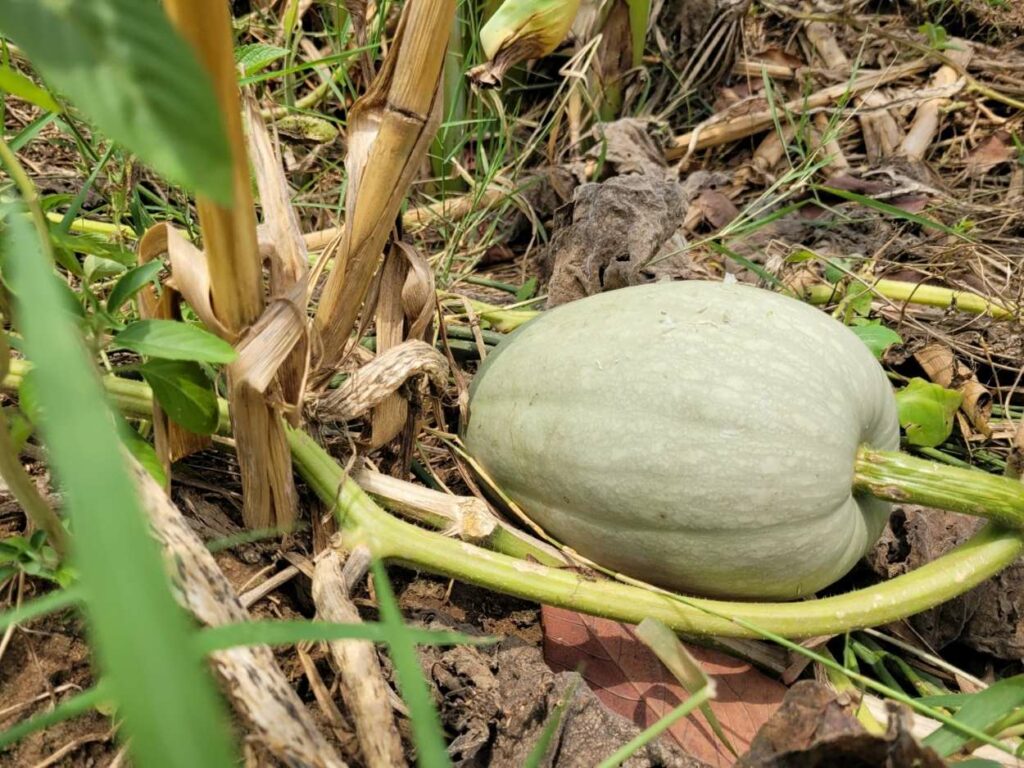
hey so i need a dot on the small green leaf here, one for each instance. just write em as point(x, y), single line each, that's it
point(184, 392)
point(174, 340)
point(97, 268)
point(836, 270)
point(133, 281)
point(528, 290)
point(926, 412)
point(876, 336)
point(18, 85)
point(143, 452)
point(258, 56)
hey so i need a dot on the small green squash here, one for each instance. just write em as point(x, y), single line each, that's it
point(696, 435)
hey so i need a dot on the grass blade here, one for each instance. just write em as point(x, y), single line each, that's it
point(55, 601)
point(426, 725)
point(291, 632)
point(141, 637)
point(67, 709)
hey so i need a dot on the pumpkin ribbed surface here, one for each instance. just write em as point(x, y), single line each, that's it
point(696, 435)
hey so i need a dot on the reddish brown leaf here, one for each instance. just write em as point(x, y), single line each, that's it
point(628, 678)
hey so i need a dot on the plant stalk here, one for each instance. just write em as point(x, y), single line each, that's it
point(920, 294)
point(987, 553)
point(902, 478)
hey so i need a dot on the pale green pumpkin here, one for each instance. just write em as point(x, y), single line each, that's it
point(695, 435)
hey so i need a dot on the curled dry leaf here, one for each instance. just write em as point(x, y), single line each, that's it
point(628, 678)
point(942, 367)
point(379, 378)
point(520, 30)
point(815, 728)
point(993, 151)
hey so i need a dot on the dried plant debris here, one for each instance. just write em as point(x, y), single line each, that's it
point(630, 145)
point(816, 728)
point(989, 618)
point(913, 537)
point(621, 232)
point(500, 700)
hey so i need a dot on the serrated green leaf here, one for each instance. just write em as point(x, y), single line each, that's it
point(926, 412)
point(876, 336)
point(127, 69)
point(257, 56)
point(18, 85)
point(174, 340)
point(184, 392)
point(131, 282)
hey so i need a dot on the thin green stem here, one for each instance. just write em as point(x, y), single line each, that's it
point(987, 553)
point(21, 485)
point(918, 293)
point(903, 478)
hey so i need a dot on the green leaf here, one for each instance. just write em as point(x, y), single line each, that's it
point(528, 290)
point(292, 632)
point(127, 69)
point(926, 412)
point(131, 282)
point(876, 336)
point(184, 392)
point(71, 707)
point(96, 268)
point(174, 340)
point(143, 452)
point(258, 56)
point(171, 713)
point(18, 85)
point(980, 710)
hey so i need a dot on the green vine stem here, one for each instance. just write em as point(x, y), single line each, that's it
point(986, 554)
point(387, 537)
point(903, 478)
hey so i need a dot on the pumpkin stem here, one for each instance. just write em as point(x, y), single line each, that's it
point(905, 479)
point(991, 550)
point(886, 474)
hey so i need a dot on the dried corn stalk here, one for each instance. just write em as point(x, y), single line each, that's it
point(170, 440)
point(390, 128)
point(229, 235)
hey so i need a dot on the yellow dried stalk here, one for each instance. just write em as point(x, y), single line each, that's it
point(390, 128)
point(229, 235)
point(170, 440)
point(278, 344)
point(390, 416)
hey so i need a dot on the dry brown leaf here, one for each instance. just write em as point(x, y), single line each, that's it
point(815, 728)
point(628, 678)
point(995, 150)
